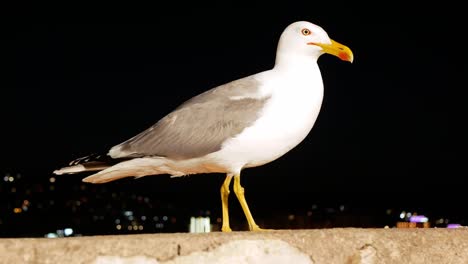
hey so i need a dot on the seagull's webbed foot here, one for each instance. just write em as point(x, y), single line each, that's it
point(257, 228)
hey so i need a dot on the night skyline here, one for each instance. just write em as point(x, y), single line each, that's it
point(391, 125)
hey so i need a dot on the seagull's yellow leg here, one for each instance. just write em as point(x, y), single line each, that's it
point(239, 191)
point(224, 200)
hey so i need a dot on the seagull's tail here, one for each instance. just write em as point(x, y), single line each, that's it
point(113, 169)
point(93, 162)
point(137, 168)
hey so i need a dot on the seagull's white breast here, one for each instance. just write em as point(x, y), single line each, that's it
point(285, 121)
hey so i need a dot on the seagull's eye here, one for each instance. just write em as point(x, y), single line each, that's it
point(306, 31)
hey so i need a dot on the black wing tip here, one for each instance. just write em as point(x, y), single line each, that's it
point(90, 158)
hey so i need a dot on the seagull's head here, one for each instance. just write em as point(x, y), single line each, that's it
point(306, 39)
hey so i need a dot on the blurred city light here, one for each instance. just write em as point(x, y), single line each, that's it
point(68, 231)
point(402, 215)
point(418, 219)
point(51, 235)
point(200, 225)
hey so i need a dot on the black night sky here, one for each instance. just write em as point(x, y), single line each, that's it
point(391, 133)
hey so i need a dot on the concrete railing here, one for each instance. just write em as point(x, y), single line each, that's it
point(340, 245)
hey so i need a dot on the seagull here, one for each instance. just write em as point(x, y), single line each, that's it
point(242, 124)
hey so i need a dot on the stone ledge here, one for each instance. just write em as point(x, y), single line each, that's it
point(339, 245)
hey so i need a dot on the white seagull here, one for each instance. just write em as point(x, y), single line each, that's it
point(242, 124)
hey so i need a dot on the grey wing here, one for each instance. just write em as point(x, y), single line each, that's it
point(200, 125)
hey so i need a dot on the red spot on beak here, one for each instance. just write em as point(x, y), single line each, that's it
point(344, 56)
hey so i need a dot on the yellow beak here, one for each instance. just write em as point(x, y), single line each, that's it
point(336, 49)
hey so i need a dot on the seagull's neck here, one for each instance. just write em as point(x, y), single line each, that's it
point(294, 63)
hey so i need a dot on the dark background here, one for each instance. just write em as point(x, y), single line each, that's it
point(391, 135)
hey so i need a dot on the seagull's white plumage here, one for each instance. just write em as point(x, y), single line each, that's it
point(246, 123)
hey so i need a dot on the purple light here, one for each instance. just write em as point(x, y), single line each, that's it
point(418, 219)
point(453, 225)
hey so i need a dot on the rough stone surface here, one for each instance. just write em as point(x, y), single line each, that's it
point(340, 245)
